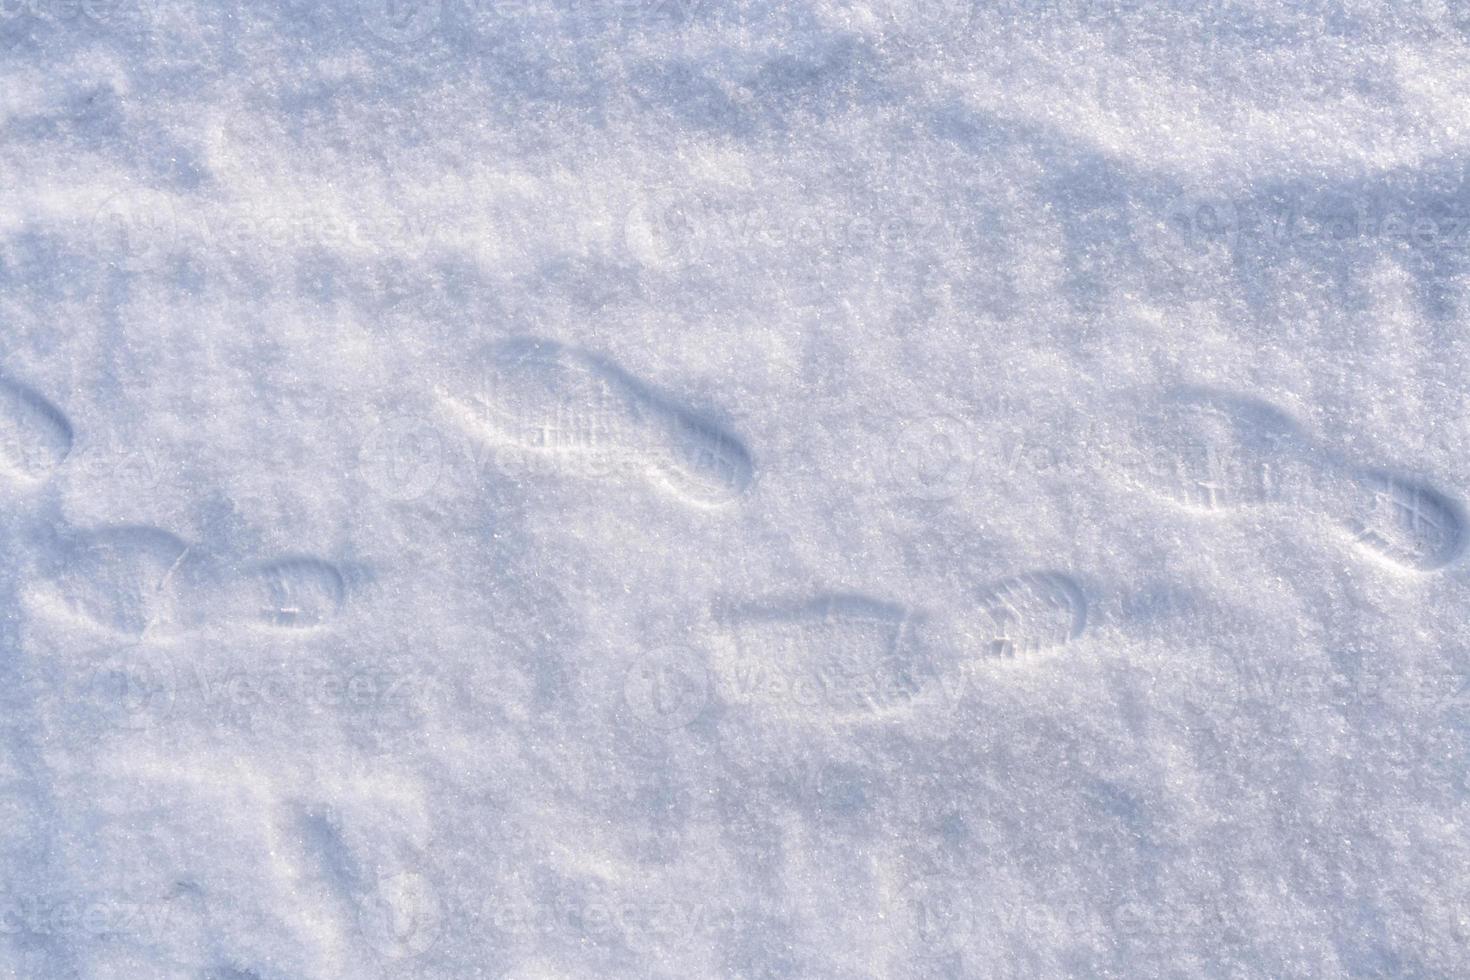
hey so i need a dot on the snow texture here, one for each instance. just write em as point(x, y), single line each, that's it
point(724, 488)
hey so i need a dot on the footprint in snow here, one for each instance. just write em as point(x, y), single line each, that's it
point(1213, 452)
point(587, 416)
point(35, 437)
point(133, 580)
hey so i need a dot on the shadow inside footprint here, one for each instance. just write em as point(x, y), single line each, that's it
point(591, 418)
point(1405, 522)
point(121, 578)
point(704, 465)
point(1210, 450)
point(35, 437)
point(288, 593)
point(1032, 613)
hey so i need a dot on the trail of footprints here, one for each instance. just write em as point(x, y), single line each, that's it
point(588, 416)
point(133, 579)
point(1208, 451)
point(1214, 452)
point(864, 657)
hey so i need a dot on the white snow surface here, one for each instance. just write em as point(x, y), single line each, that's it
point(723, 488)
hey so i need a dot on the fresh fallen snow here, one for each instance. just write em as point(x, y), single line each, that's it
point(665, 488)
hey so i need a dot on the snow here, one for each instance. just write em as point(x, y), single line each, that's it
point(665, 488)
